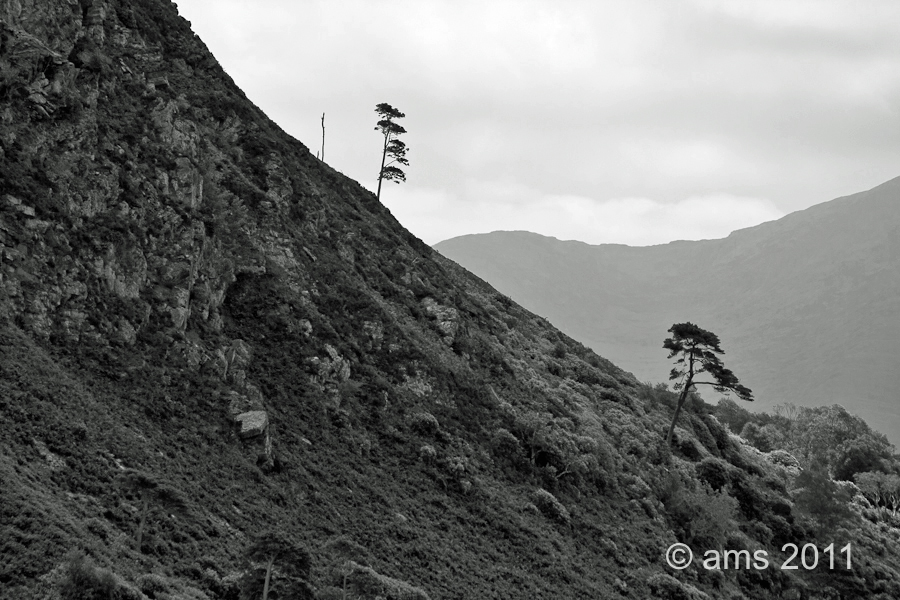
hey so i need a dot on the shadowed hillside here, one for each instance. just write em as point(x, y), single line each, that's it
point(225, 368)
point(806, 306)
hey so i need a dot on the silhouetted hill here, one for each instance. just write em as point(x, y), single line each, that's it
point(212, 343)
point(807, 306)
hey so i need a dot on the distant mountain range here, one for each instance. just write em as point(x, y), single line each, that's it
point(807, 307)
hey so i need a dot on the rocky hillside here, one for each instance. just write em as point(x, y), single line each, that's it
point(224, 368)
point(806, 306)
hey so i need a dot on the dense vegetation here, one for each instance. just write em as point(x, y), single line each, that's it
point(225, 370)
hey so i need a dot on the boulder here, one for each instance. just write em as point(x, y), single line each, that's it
point(253, 423)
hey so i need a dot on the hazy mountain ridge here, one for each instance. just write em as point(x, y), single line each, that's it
point(186, 292)
point(806, 305)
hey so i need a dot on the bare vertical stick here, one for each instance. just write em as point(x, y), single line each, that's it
point(323, 137)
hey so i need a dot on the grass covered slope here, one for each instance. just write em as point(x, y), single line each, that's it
point(205, 329)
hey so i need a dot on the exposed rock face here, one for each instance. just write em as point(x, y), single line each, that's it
point(56, 463)
point(445, 317)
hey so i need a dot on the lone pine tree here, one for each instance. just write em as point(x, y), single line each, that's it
point(393, 147)
point(696, 350)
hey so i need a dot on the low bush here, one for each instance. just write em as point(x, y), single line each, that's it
point(822, 500)
point(704, 436)
point(506, 448)
point(699, 516)
point(551, 507)
point(668, 588)
point(85, 581)
point(152, 584)
point(365, 582)
point(424, 423)
point(715, 472)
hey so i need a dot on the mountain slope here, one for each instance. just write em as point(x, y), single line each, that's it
point(806, 306)
point(207, 331)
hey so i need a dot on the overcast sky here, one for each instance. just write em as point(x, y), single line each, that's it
point(636, 122)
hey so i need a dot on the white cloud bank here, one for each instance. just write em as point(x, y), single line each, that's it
point(619, 121)
point(435, 215)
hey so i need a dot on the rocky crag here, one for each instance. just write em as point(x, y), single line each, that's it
point(189, 299)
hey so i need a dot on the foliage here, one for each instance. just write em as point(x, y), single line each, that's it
point(765, 438)
point(716, 473)
point(365, 582)
point(842, 442)
point(667, 587)
point(821, 499)
point(881, 489)
point(700, 516)
point(559, 350)
point(85, 581)
point(784, 459)
point(695, 351)
point(732, 414)
point(424, 423)
point(867, 452)
point(551, 507)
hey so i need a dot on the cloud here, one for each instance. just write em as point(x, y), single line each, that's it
point(436, 215)
point(793, 102)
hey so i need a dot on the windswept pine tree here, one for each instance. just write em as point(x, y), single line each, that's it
point(695, 351)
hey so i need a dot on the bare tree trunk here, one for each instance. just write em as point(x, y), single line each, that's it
point(323, 137)
point(681, 400)
point(268, 578)
point(381, 172)
point(684, 392)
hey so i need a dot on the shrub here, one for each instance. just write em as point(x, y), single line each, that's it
point(85, 581)
point(869, 452)
point(718, 431)
point(785, 459)
point(715, 472)
point(699, 516)
point(782, 531)
point(559, 350)
point(424, 423)
point(458, 466)
point(427, 454)
point(506, 446)
point(554, 368)
point(704, 436)
point(822, 499)
point(758, 437)
point(668, 588)
point(152, 584)
point(551, 507)
point(689, 447)
point(753, 501)
point(367, 583)
point(880, 489)
point(732, 414)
